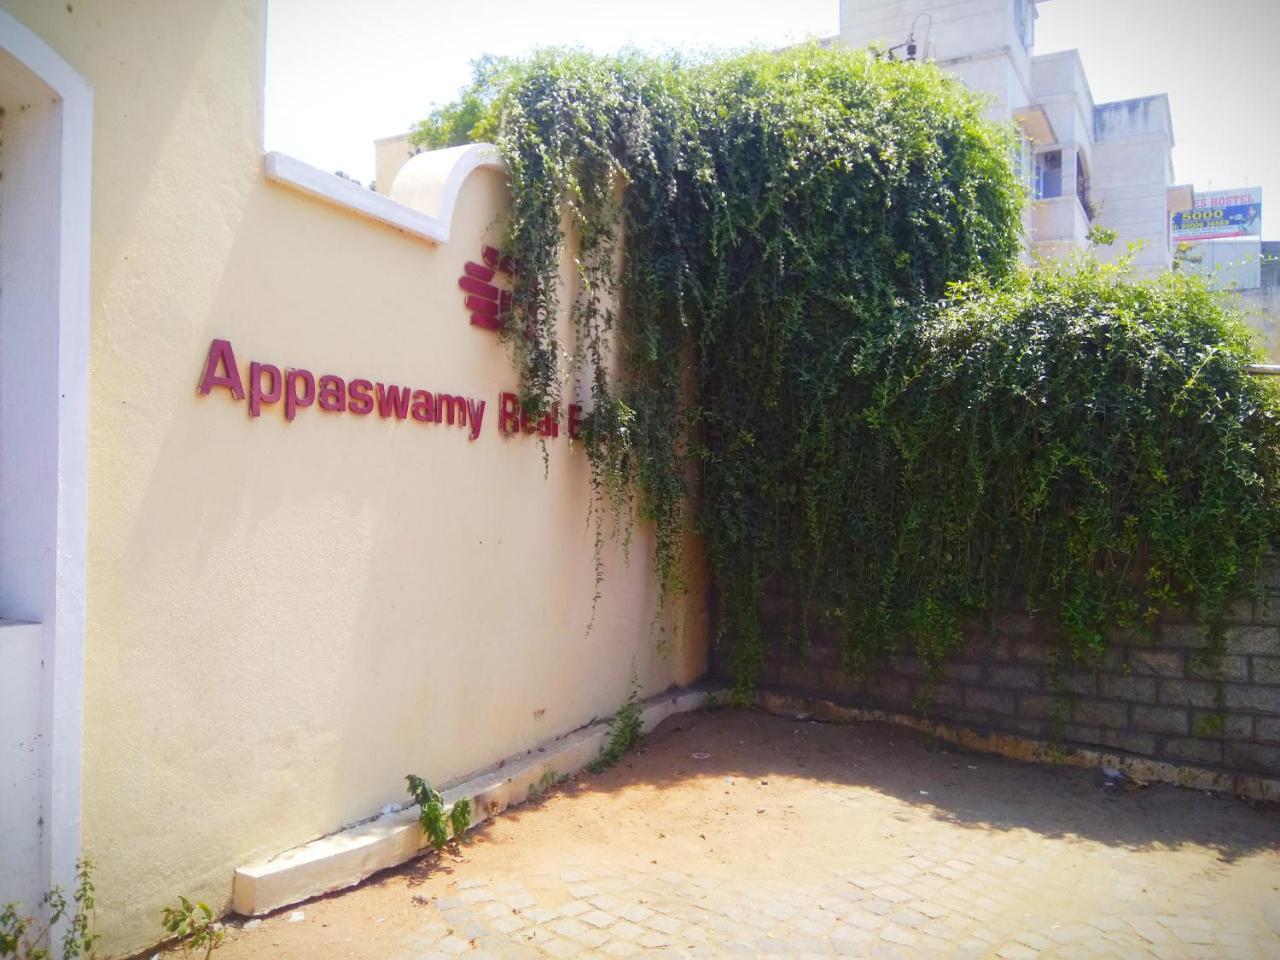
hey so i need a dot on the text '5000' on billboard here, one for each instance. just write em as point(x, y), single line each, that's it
point(1220, 215)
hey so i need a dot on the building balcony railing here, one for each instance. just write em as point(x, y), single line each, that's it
point(1059, 220)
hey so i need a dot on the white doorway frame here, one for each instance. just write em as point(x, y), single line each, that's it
point(63, 688)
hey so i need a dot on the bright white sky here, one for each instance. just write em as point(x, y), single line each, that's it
point(342, 74)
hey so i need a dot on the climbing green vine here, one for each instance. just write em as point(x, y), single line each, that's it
point(797, 285)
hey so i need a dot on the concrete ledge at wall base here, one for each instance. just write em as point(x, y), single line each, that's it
point(345, 858)
point(1026, 748)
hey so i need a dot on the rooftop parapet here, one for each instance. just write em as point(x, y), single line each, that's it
point(1141, 116)
point(1060, 74)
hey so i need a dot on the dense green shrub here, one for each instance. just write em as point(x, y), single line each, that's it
point(908, 452)
point(1088, 444)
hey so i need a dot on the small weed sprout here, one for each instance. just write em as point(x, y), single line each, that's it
point(24, 937)
point(436, 821)
point(1210, 725)
point(460, 818)
point(431, 813)
point(545, 782)
point(194, 927)
point(624, 732)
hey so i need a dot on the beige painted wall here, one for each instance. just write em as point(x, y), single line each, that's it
point(389, 155)
point(286, 618)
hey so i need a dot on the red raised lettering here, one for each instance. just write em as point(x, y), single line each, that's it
point(333, 393)
point(292, 398)
point(220, 352)
point(485, 290)
point(424, 406)
point(260, 393)
point(476, 410)
point(361, 398)
point(488, 307)
point(508, 414)
point(393, 399)
point(455, 407)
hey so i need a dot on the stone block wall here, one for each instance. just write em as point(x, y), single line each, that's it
point(1152, 695)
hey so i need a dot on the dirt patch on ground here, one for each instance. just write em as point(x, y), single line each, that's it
point(739, 832)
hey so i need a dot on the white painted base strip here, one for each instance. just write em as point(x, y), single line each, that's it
point(345, 858)
point(24, 876)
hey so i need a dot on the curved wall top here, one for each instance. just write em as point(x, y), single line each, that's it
point(430, 182)
point(422, 199)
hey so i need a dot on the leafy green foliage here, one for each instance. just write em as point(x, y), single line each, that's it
point(1210, 725)
point(1100, 236)
point(545, 782)
point(26, 936)
point(453, 124)
point(460, 818)
point(767, 198)
point(624, 732)
point(14, 927)
point(435, 818)
point(431, 813)
point(194, 927)
point(818, 313)
point(1085, 444)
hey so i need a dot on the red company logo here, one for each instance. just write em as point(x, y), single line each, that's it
point(486, 301)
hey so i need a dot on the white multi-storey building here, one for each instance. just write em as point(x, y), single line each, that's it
point(1087, 163)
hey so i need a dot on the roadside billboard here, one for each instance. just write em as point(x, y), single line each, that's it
point(1220, 214)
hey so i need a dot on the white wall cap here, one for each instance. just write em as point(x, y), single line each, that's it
point(422, 198)
point(351, 196)
point(430, 182)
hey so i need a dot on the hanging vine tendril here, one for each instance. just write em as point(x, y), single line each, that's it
point(797, 283)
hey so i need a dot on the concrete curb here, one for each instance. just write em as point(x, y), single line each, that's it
point(345, 858)
point(1026, 748)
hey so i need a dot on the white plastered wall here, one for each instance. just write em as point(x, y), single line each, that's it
point(45, 162)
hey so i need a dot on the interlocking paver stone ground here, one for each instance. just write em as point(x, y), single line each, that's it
point(803, 840)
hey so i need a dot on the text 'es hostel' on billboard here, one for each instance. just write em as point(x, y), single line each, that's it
point(1220, 215)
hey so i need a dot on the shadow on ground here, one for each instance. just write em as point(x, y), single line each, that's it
point(965, 789)
point(736, 831)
